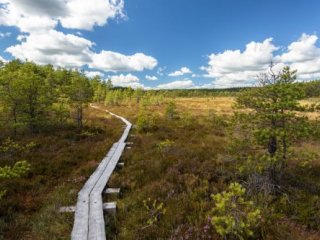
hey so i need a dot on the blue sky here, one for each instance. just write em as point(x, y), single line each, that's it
point(165, 43)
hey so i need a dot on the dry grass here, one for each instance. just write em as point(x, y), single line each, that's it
point(308, 102)
point(182, 177)
point(61, 163)
point(225, 105)
point(221, 105)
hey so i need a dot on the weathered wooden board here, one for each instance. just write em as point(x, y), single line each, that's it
point(68, 209)
point(89, 219)
point(112, 191)
point(81, 220)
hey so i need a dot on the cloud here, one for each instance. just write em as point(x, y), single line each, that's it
point(112, 61)
point(69, 50)
point(21, 37)
point(182, 84)
point(2, 59)
point(236, 68)
point(4, 35)
point(302, 50)
point(28, 17)
point(42, 43)
point(51, 8)
point(53, 47)
point(151, 78)
point(182, 71)
point(84, 14)
point(195, 75)
point(74, 14)
point(160, 71)
point(92, 74)
point(304, 56)
point(128, 80)
point(233, 68)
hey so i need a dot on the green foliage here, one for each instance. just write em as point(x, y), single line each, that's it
point(124, 96)
point(165, 146)
point(35, 96)
point(8, 150)
point(233, 215)
point(80, 94)
point(10, 147)
point(171, 111)
point(18, 170)
point(311, 89)
point(154, 210)
point(26, 93)
point(146, 122)
point(273, 122)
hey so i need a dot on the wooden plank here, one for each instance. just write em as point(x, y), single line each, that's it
point(110, 207)
point(68, 209)
point(89, 219)
point(120, 164)
point(96, 219)
point(112, 191)
point(81, 221)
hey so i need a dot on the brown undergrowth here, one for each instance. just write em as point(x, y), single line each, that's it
point(61, 161)
point(177, 163)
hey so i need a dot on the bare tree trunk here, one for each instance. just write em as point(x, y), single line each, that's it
point(272, 145)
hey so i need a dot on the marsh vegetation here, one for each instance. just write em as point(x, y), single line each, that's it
point(204, 164)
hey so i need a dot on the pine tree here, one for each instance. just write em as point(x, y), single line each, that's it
point(273, 119)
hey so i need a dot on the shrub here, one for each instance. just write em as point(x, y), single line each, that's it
point(155, 210)
point(187, 121)
point(171, 111)
point(233, 216)
point(165, 146)
point(18, 170)
point(146, 122)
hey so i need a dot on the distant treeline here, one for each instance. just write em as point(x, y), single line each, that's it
point(117, 95)
point(311, 89)
point(34, 96)
point(194, 92)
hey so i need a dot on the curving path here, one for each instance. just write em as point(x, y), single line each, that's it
point(89, 219)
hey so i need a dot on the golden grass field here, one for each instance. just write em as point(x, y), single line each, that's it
point(221, 105)
point(225, 105)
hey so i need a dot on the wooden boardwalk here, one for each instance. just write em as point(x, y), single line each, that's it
point(89, 218)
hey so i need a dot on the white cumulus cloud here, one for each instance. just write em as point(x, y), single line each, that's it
point(92, 74)
point(53, 47)
point(304, 56)
point(5, 34)
point(84, 14)
point(151, 78)
point(233, 68)
point(181, 84)
point(112, 61)
point(127, 80)
point(75, 14)
point(180, 72)
point(42, 43)
point(2, 59)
